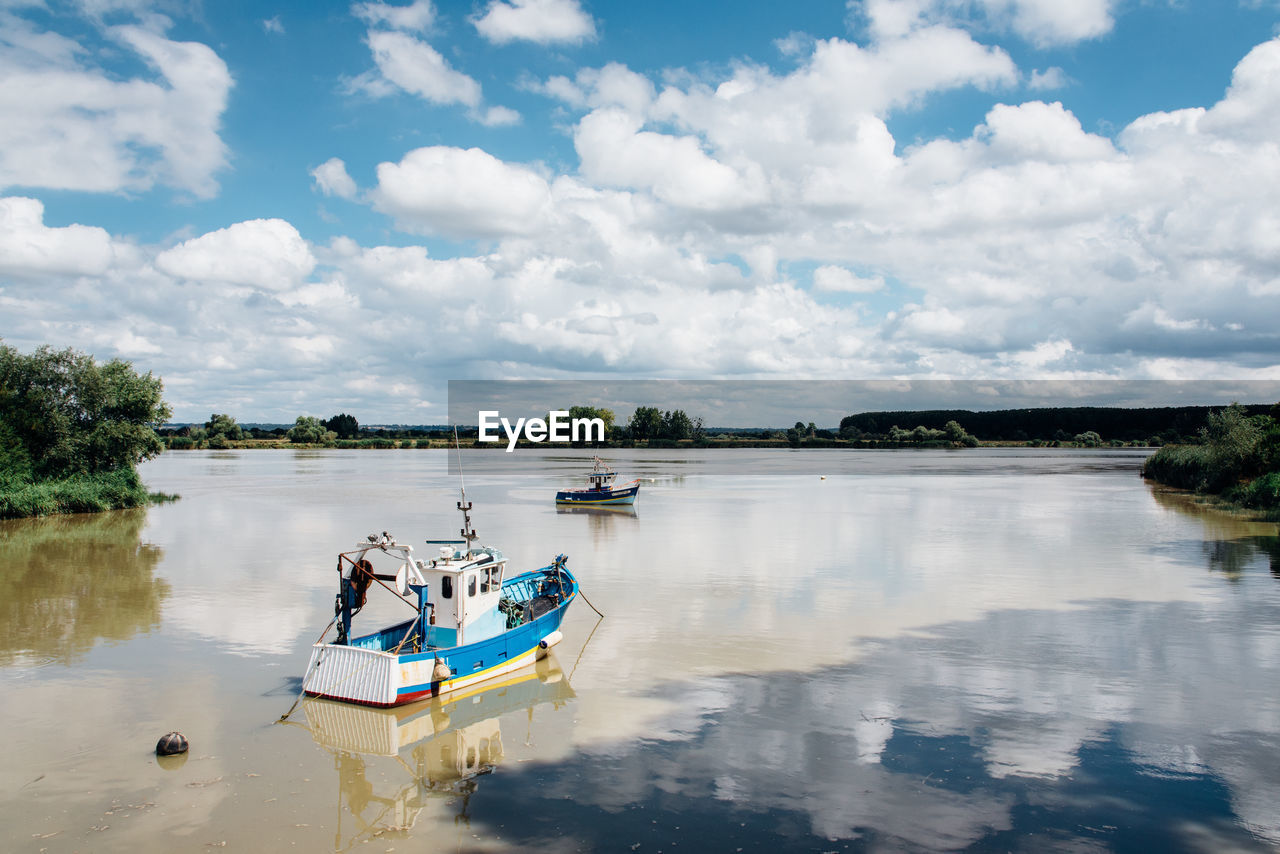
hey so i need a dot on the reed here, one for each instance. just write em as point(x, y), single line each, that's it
point(79, 493)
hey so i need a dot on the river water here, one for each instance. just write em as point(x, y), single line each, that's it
point(802, 651)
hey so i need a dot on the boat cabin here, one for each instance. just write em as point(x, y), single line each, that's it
point(462, 592)
point(601, 477)
point(457, 593)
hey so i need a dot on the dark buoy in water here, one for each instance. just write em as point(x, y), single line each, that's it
point(171, 744)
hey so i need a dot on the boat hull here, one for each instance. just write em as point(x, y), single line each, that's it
point(596, 497)
point(372, 677)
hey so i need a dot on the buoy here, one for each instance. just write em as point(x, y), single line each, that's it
point(441, 672)
point(546, 644)
point(171, 744)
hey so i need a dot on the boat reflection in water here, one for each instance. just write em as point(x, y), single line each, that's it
point(599, 510)
point(442, 745)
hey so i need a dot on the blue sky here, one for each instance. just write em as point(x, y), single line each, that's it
point(288, 208)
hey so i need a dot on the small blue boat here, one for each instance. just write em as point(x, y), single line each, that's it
point(473, 621)
point(600, 489)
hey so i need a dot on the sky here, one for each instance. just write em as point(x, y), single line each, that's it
point(310, 208)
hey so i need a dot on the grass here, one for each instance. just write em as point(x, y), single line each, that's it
point(113, 490)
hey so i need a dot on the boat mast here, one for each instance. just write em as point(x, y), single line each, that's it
point(468, 533)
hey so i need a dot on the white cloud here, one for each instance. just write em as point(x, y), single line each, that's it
point(263, 253)
point(30, 248)
point(419, 69)
point(541, 21)
point(273, 25)
point(461, 192)
point(840, 280)
point(1042, 22)
point(416, 17)
point(332, 179)
point(411, 65)
point(71, 126)
point(1051, 78)
point(499, 117)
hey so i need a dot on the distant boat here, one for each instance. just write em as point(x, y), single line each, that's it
point(472, 621)
point(600, 489)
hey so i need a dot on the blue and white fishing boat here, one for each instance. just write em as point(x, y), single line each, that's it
point(473, 621)
point(600, 489)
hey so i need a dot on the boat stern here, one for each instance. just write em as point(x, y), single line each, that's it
point(354, 674)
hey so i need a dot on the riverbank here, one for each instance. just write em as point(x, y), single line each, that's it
point(85, 493)
point(665, 444)
point(1237, 462)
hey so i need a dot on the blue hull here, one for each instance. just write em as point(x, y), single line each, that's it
point(469, 664)
point(598, 496)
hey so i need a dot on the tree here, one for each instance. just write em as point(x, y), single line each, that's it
point(645, 423)
point(959, 435)
point(308, 430)
point(676, 425)
point(605, 415)
point(343, 425)
point(223, 425)
point(66, 414)
point(1088, 439)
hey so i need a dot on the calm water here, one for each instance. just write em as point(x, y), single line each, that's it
point(986, 650)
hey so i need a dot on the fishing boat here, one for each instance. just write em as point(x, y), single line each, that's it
point(472, 620)
point(600, 489)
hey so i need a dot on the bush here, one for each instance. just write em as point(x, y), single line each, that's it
point(1229, 450)
point(1261, 493)
point(82, 493)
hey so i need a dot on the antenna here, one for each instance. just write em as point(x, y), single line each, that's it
point(468, 533)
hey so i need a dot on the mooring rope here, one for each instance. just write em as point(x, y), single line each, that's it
point(285, 716)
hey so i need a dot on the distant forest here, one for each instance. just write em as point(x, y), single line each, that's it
point(1165, 425)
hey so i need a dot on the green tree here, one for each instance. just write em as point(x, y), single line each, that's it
point(343, 425)
point(605, 415)
point(645, 423)
point(676, 425)
point(1088, 439)
point(223, 425)
point(66, 414)
point(959, 435)
point(308, 430)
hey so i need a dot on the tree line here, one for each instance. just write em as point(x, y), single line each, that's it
point(1152, 426)
point(72, 432)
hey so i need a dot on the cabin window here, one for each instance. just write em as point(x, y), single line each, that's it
point(471, 584)
point(492, 579)
point(446, 587)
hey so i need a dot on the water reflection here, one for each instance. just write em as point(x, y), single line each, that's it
point(71, 581)
point(1081, 730)
point(441, 748)
point(1233, 540)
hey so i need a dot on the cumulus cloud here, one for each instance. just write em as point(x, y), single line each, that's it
point(406, 63)
point(73, 126)
point(541, 21)
point(262, 253)
point(332, 179)
point(840, 280)
point(418, 16)
point(461, 192)
point(30, 248)
point(419, 69)
point(1051, 78)
point(1029, 245)
point(1042, 22)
